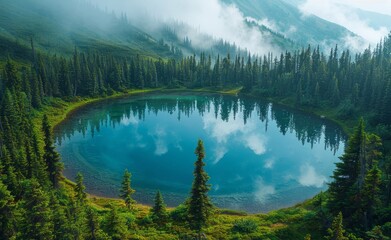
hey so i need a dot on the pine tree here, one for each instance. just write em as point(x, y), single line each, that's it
point(61, 224)
point(38, 165)
point(65, 85)
point(9, 177)
point(199, 205)
point(37, 218)
point(370, 195)
point(115, 225)
point(343, 190)
point(336, 232)
point(51, 157)
point(126, 190)
point(12, 81)
point(78, 219)
point(7, 213)
point(159, 212)
point(81, 196)
point(36, 94)
point(93, 229)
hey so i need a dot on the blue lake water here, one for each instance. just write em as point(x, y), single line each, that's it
point(260, 156)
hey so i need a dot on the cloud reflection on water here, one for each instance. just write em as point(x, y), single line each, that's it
point(247, 133)
point(310, 178)
point(262, 190)
point(251, 166)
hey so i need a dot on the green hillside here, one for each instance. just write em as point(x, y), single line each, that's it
point(116, 59)
point(60, 26)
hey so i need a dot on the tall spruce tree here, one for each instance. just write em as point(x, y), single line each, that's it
point(115, 225)
point(94, 232)
point(62, 225)
point(81, 195)
point(370, 195)
point(159, 212)
point(336, 232)
point(355, 188)
point(7, 213)
point(51, 157)
point(199, 205)
point(126, 190)
point(344, 187)
point(37, 217)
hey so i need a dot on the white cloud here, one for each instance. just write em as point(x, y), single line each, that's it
point(219, 153)
point(263, 191)
point(211, 17)
point(161, 147)
point(309, 178)
point(343, 13)
point(222, 130)
point(265, 22)
point(380, 6)
point(269, 163)
point(256, 143)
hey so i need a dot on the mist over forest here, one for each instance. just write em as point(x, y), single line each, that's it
point(250, 119)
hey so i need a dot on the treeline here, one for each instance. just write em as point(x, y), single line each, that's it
point(354, 83)
point(222, 108)
point(36, 203)
point(35, 206)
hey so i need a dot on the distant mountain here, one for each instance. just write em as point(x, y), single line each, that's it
point(60, 26)
point(285, 18)
point(374, 20)
point(184, 36)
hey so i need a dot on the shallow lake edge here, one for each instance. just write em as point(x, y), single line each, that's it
point(74, 106)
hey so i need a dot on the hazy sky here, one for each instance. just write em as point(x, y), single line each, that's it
point(227, 22)
point(380, 6)
point(205, 16)
point(341, 12)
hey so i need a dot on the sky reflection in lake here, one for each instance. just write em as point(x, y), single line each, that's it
point(259, 156)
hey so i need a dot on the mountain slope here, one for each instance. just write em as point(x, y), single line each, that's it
point(375, 20)
point(60, 26)
point(304, 30)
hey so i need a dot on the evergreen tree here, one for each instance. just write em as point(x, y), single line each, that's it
point(343, 190)
point(336, 232)
point(93, 229)
point(7, 213)
point(115, 225)
point(81, 196)
point(199, 205)
point(36, 94)
point(8, 177)
point(370, 195)
point(65, 85)
point(37, 217)
point(12, 80)
point(51, 157)
point(61, 224)
point(38, 166)
point(78, 218)
point(126, 190)
point(159, 212)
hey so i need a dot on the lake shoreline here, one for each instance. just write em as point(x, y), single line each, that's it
point(74, 106)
